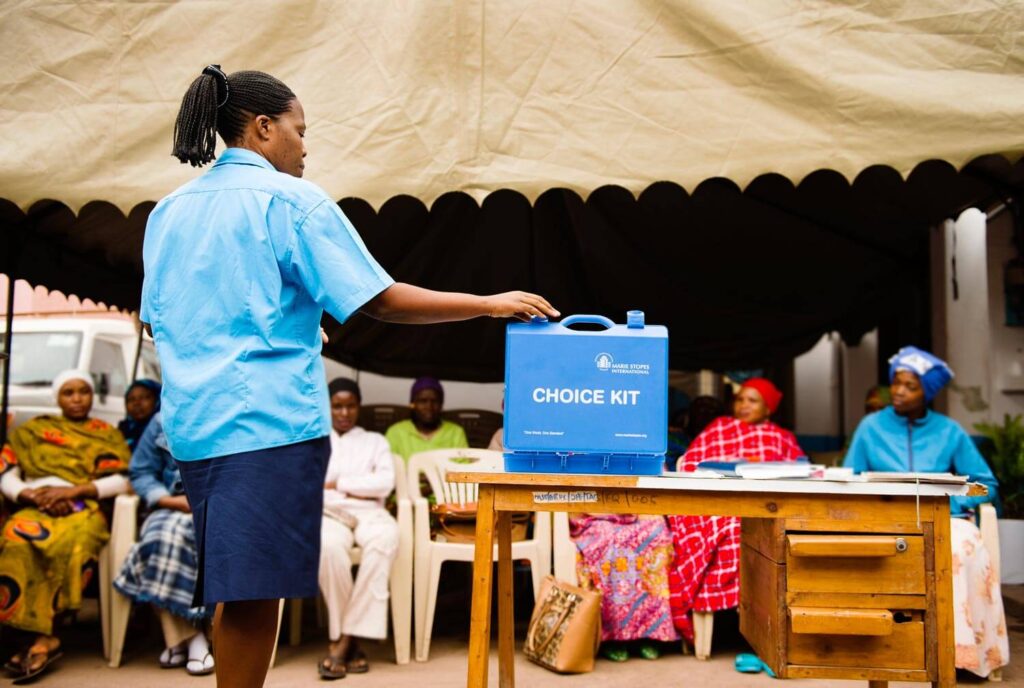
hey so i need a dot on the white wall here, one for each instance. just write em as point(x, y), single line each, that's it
point(816, 380)
point(860, 373)
point(1007, 343)
point(968, 336)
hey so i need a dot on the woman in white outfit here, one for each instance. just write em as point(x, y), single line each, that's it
point(360, 476)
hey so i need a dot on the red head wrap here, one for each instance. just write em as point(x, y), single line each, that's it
point(770, 394)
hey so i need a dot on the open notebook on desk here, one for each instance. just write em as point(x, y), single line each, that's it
point(931, 478)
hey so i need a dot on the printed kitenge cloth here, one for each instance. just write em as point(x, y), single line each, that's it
point(46, 561)
point(162, 566)
point(705, 576)
point(627, 559)
point(979, 622)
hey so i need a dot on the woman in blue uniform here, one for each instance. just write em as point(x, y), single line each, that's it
point(240, 265)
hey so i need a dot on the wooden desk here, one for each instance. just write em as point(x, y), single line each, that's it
point(921, 512)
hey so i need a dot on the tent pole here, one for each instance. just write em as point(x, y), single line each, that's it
point(8, 334)
point(138, 354)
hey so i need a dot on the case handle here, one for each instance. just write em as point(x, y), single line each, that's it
point(592, 319)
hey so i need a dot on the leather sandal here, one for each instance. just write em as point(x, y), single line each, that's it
point(331, 668)
point(357, 663)
point(48, 656)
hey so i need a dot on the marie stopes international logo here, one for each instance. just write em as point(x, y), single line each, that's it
point(605, 363)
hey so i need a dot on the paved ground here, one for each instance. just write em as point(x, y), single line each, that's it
point(83, 666)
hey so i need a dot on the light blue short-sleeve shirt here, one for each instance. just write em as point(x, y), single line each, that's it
point(240, 265)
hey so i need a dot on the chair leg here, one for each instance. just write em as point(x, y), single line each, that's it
point(106, 590)
point(423, 653)
point(421, 578)
point(120, 609)
point(294, 621)
point(703, 624)
point(277, 635)
point(537, 573)
point(401, 608)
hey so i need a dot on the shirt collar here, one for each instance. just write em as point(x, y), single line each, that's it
point(354, 432)
point(243, 156)
point(923, 420)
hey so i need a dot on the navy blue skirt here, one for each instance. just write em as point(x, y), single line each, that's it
point(257, 516)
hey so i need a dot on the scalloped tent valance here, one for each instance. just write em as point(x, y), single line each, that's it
point(475, 96)
point(741, 277)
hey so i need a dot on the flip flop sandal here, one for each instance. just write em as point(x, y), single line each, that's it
point(31, 674)
point(15, 668)
point(752, 664)
point(614, 652)
point(173, 657)
point(357, 663)
point(331, 671)
point(649, 651)
point(205, 667)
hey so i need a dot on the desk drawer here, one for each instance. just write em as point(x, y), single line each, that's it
point(856, 638)
point(850, 563)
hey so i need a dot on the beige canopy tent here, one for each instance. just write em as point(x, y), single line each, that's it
point(607, 154)
point(424, 98)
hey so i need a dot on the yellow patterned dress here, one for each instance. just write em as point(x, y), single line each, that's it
point(46, 561)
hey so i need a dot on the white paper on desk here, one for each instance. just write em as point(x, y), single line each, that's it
point(699, 473)
point(924, 478)
point(773, 470)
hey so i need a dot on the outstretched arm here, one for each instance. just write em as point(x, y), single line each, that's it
point(405, 303)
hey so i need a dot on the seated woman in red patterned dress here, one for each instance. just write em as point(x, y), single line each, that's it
point(705, 575)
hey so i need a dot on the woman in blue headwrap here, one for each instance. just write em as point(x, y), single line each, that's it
point(141, 402)
point(908, 436)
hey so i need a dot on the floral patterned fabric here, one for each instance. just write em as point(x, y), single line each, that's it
point(46, 561)
point(982, 644)
point(627, 558)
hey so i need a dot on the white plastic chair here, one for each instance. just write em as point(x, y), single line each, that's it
point(430, 553)
point(400, 581)
point(565, 570)
point(115, 607)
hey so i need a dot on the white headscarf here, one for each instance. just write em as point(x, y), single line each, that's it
point(68, 376)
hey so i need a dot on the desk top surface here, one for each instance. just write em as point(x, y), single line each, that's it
point(676, 481)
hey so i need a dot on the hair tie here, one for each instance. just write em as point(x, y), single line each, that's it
point(217, 73)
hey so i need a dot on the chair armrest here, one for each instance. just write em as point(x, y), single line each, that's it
point(421, 520)
point(988, 524)
point(405, 524)
point(123, 528)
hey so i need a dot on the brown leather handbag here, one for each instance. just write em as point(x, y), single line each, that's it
point(565, 628)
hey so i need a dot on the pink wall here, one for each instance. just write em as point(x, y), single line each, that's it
point(37, 300)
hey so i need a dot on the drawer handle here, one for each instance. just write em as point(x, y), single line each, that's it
point(846, 545)
point(835, 621)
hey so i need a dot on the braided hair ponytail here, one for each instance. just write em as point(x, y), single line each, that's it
point(216, 103)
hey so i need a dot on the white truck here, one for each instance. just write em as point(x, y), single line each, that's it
point(105, 345)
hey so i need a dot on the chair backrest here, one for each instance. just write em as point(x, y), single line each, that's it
point(479, 425)
point(401, 482)
point(379, 417)
point(434, 464)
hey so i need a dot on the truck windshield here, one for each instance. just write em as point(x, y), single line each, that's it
point(38, 357)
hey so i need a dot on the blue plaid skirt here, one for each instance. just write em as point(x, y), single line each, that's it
point(257, 521)
point(161, 567)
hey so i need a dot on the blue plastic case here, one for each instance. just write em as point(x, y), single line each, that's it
point(586, 401)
